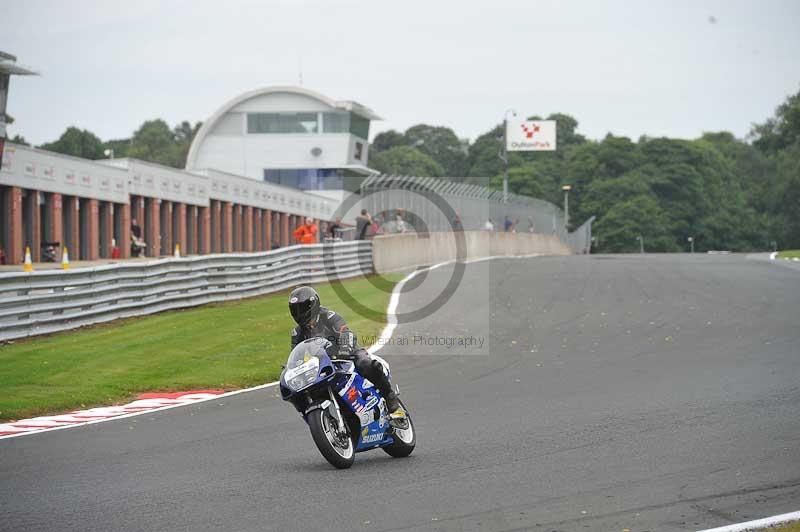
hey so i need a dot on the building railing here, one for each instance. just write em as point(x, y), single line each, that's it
point(56, 300)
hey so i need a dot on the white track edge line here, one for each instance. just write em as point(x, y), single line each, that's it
point(141, 413)
point(386, 334)
point(757, 524)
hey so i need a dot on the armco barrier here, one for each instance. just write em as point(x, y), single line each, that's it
point(56, 300)
point(409, 250)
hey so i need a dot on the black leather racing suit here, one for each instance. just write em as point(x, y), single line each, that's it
point(333, 328)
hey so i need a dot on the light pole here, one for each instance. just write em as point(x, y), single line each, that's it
point(503, 154)
point(691, 242)
point(641, 243)
point(566, 189)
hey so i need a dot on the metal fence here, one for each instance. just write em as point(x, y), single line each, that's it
point(580, 240)
point(430, 204)
point(56, 300)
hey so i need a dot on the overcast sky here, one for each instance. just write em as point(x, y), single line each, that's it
point(631, 68)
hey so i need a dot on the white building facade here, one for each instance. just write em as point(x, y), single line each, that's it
point(286, 135)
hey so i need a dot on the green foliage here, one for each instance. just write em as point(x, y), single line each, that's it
point(782, 130)
point(154, 141)
point(405, 160)
point(439, 144)
point(722, 191)
point(442, 145)
point(639, 216)
point(387, 140)
point(77, 142)
point(17, 139)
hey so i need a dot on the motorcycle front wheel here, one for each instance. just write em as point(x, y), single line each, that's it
point(335, 446)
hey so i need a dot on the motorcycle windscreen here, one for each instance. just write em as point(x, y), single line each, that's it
point(304, 363)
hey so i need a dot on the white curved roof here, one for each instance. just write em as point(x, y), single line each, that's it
point(208, 125)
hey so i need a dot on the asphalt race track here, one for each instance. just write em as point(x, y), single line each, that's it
point(655, 392)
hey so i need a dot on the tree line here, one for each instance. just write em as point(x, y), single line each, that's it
point(725, 193)
point(153, 141)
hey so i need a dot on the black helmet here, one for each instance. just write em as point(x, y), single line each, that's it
point(304, 305)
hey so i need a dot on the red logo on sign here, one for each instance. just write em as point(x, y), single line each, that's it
point(529, 130)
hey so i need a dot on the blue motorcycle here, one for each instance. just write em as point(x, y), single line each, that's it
point(344, 411)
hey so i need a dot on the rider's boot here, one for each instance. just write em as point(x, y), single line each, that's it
point(374, 372)
point(397, 414)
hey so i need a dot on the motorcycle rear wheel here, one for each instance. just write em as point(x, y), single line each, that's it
point(339, 455)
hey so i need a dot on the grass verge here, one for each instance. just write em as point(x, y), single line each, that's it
point(790, 527)
point(226, 345)
point(789, 254)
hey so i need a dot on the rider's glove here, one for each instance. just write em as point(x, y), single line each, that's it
point(347, 342)
point(345, 352)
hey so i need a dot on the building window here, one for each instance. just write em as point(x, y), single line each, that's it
point(282, 123)
point(305, 178)
point(335, 122)
point(359, 126)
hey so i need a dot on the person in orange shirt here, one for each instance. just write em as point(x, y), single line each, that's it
point(306, 233)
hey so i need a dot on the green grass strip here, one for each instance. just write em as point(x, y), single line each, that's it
point(226, 345)
point(789, 254)
point(791, 527)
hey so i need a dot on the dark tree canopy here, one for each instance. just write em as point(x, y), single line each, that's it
point(405, 160)
point(77, 142)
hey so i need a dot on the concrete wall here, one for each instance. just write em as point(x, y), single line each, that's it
point(409, 250)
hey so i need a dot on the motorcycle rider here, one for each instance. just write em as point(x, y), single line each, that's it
point(316, 321)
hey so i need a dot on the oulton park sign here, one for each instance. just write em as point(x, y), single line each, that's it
point(538, 135)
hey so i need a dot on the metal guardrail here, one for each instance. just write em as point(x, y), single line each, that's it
point(422, 199)
point(57, 300)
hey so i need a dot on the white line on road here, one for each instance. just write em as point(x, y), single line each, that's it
point(757, 524)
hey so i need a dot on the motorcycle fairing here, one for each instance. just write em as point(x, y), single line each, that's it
point(365, 401)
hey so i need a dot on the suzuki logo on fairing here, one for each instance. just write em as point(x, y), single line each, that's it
point(372, 438)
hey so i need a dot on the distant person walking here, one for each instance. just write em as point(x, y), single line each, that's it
point(507, 224)
point(306, 233)
point(363, 221)
point(457, 225)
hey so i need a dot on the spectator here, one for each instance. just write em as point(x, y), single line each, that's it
point(514, 226)
point(507, 224)
point(138, 245)
point(136, 229)
point(362, 224)
point(376, 226)
point(488, 226)
point(334, 227)
point(457, 225)
point(401, 224)
point(306, 233)
point(531, 226)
